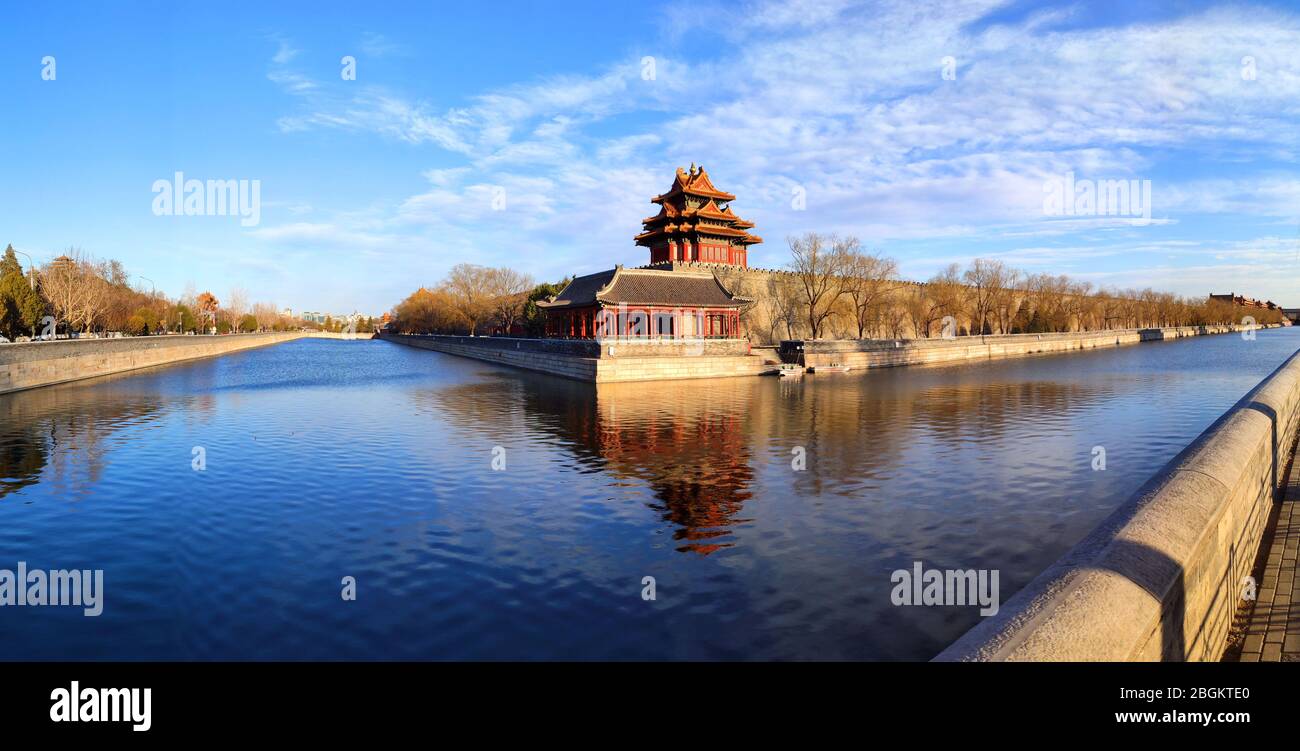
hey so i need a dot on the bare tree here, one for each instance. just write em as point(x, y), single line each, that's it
point(1007, 300)
point(985, 279)
point(948, 293)
point(236, 306)
point(783, 305)
point(869, 278)
point(1109, 309)
point(508, 291)
point(894, 317)
point(471, 292)
point(97, 292)
point(60, 282)
point(1047, 294)
point(818, 266)
point(78, 289)
point(1079, 304)
point(427, 311)
point(265, 314)
point(922, 309)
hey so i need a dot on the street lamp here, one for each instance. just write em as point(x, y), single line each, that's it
point(31, 275)
point(153, 293)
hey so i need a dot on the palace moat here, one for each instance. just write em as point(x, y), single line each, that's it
point(489, 512)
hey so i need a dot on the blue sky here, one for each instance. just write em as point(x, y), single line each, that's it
point(374, 186)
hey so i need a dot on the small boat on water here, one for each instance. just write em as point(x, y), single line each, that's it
point(788, 370)
point(832, 368)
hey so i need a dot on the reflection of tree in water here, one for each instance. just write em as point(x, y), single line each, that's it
point(48, 434)
point(694, 442)
point(958, 412)
point(689, 445)
point(22, 456)
point(858, 429)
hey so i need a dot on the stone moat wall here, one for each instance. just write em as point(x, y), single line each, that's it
point(608, 360)
point(1161, 578)
point(603, 361)
point(891, 353)
point(34, 364)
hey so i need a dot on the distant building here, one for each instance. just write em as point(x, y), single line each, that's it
point(1232, 298)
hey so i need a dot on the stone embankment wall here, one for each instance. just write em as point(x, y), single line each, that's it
point(1161, 578)
point(568, 358)
point(33, 364)
point(602, 361)
point(887, 353)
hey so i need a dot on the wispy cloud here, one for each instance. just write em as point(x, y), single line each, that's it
point(846, 104)
point(285, 51)
point(374, 44)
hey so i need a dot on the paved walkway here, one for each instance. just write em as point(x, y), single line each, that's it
point(1272, 627)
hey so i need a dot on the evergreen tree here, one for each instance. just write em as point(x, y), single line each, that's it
point(535, 317)
point(21, 306)
point(184, 316)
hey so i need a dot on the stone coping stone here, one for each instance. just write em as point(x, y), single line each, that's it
point(1106, 596)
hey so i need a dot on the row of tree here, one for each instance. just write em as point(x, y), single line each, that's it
point(84, 294)
point(474, 299)
point(836, 288)
point(835, 285)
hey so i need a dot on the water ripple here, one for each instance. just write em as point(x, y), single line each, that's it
point(492, 513)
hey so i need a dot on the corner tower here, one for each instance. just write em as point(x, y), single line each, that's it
point(695, 223)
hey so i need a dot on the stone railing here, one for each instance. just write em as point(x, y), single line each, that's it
point(1162, 576)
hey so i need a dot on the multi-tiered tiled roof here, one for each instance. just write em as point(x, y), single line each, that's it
point(695, 223)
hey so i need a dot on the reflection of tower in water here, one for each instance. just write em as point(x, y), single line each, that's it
point(690, 449)
point(687, 442)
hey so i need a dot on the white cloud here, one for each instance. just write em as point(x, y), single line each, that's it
point(375, 44)
point(284, 52)
point(846, 101)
